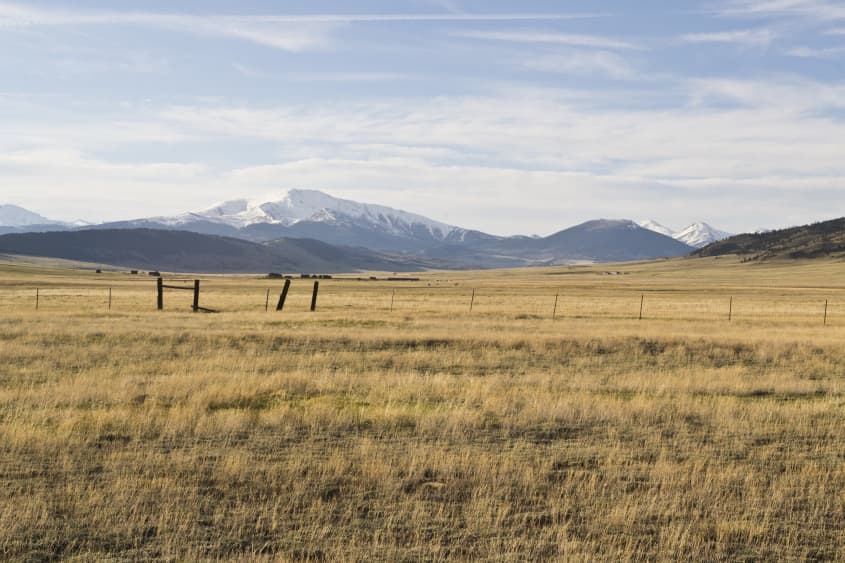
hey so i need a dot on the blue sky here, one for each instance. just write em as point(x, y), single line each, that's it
point(510, 117)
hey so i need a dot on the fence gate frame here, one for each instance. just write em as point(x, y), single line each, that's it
point(161, 286)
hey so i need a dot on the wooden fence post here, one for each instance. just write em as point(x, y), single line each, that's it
point(392, 298)
point(284, 295)
point(642, 302)
point(196, 306)
point(554, 311)
point(37, 298)
point(160, 287)
point(267, 301)
point(825, 312)
point(109, 299)
point(314, 296)
point(472, 301)
point(731, 309)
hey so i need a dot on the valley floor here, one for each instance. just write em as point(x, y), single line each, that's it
point(396, 424)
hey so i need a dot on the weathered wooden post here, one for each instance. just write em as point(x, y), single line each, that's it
point(196, 306)
point(160, 287)
point(314, 296)
point(267, 301)
point(392, 298)
point(554, 311)
point(642, 302)
point(281, 304)
point(731, 309)
point(825, 312)
point(109, 299)
point(472, 301)
point(37, 297)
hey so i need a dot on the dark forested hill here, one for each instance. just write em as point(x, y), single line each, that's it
point(193, 252)
point(809, 241)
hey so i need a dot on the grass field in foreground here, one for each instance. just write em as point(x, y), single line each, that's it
point(427, 432)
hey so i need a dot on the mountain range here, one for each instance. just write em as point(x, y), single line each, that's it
point(316, 215)
point(394, 237)
point(697, 235)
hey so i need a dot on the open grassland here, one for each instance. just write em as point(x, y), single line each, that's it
point(427, 432)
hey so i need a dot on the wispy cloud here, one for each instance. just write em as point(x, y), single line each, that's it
point(277, 33)
point(790, 94)
point(449, 5)
point(85, 62)
point(817, 53)
point(778, 138)
point(583, 62)
point(568, 39)
point(746, 37)
point(558, 146)
point(15, 15)
point(257, 73)
point(69, 159)
point(252, 72)
point(286, 32)
point(823, 10)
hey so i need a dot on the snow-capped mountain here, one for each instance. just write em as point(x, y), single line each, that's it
point(314, 214)
point(653, 225)
point(697, 235)
point(14, 216)
point(377, 231)
point(16, 219)
point(312, 205)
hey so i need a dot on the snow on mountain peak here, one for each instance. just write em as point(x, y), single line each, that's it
point(653, 225)
point(697, 235)
point(232, 207)
point(297, 205)
point(14, 216)
point(700, 234)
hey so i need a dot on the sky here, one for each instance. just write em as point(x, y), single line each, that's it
point(509, 117)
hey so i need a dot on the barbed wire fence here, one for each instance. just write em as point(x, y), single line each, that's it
point(349, 296)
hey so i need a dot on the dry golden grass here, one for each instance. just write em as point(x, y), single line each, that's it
point(427, 433)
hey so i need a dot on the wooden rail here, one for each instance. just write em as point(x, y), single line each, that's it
point(161, 286)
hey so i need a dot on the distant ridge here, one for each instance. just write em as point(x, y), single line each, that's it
point(603, 240)
point(315, 215)
point(182, 251)
point(397, 236)
point(825, 239)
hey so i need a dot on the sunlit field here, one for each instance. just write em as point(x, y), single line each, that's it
point(541, 419)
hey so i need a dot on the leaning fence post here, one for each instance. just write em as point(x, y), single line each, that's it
point(472, 301)
point(314, 297)
point(554, 311)
point(160, 287)
point(284, 295)
point(196, 295)
point(36, 298)
point(825, 312)
point(642, 302)
point(267, 301)
point(392, 297)
point(731, 309)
